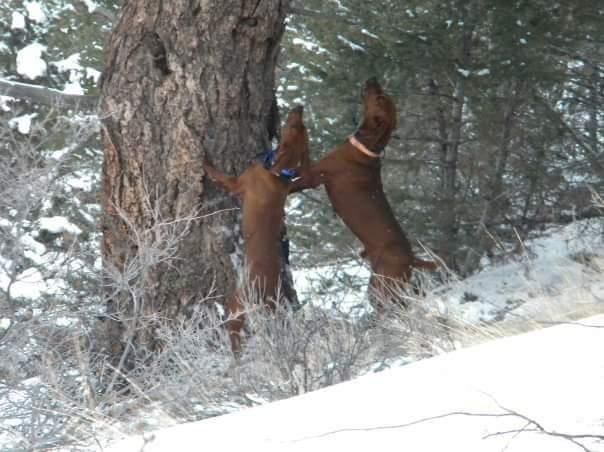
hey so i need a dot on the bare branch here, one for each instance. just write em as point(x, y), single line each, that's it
point(95, 10)
point(300, 11)
point(47, 96)
point(536, 427)
point(104, 13)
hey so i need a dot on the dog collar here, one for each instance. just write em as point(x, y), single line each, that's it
point(288, 174)
point(361, 147)
point(268, 159)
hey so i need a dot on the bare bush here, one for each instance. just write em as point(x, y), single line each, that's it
point(285, 353)
point(188, 371)
point(45, 296)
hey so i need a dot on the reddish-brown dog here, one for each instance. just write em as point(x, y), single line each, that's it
point(352, 178)
point(264, 189)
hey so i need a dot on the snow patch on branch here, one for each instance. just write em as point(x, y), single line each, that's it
point(72, 65)
point(58, 225)
point(351, 44)
point(18, 21)
point(29, 61)
point(35, 11)
point(22, 123)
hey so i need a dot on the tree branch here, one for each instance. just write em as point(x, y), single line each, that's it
point(300, 11)
point(47, 96)
point(104, 13)
point(538, 428)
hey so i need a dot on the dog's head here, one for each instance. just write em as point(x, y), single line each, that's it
point(379, 116)
point(293, 147)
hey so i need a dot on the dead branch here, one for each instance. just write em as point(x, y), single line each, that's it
point(300, 11)
point(507, 413)
point(47, 96)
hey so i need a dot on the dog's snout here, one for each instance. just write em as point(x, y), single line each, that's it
point(295, 115)
point(372, 81)
point(371, 85)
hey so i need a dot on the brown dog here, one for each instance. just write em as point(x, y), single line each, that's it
point(351, 174)
point(264, 189)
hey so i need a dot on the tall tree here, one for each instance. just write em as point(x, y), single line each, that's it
point(183, 83)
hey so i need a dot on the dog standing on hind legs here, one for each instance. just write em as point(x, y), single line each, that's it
point(352, 177)
point(264, 189)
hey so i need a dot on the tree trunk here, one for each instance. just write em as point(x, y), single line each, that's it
point(593, 124)
point(183, 81)
point(494, 204)
point(449, 155)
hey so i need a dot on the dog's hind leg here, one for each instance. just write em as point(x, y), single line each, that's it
point(235, 318)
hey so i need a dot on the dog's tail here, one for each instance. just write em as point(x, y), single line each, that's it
point(428, 265)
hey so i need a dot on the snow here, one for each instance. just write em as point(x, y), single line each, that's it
point(368, 33)
point(5, 102)
point(309, 45)
point(22, 123)
point(29, 61)
point(317, 284)
point(463, 400)
point(91, 5)
point(351, 44)
point(476, 399)
point(72, 65)
point(557, 273)
point(73, 86)
point(18, 21)
point(35, 11)
point(28, 284)
point(33, 250)
point(553, 376)
point(92, 73)
point(83, 180)
point(58, 225)
point(72, 62)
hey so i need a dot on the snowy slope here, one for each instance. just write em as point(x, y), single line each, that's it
point(556, 274)
point(461, 401)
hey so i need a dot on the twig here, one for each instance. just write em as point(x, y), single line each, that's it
point(300, 11)
point(405, 425)
point(540, 429)
point(506, 413)
point(104, 13)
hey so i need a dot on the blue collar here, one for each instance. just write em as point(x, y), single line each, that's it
point(268, 158)
point(289, 174)
point(268, 161)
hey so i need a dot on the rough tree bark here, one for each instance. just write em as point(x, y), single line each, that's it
point(184, 80)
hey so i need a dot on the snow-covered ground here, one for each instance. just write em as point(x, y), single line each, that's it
point(554, 377)
point(522, 393)
point(495, 396)
point(554, 275)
